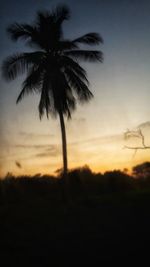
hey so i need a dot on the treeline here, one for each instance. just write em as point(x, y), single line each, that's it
point(83, 183)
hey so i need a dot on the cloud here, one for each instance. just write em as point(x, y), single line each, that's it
point(31, 146)
point(100, 139)
point(34, 135)
point(52, 151)
point(41, 150)
point(26, 151)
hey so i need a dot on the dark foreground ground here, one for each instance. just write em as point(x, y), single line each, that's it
point(94, 231)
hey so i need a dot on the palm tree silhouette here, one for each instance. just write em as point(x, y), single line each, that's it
point(53, 69)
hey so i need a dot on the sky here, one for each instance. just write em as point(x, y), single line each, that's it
point(121, 88)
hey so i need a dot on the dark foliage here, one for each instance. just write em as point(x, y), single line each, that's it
point(83, 183)
point(142, 170)
point(107, 222)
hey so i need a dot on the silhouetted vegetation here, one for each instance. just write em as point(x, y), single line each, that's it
point(108, 218)
point(142, 171)
point(83, 184)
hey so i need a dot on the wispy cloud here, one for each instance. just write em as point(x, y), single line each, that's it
point(28, 146)
point(35, 135)
point(100, 139)
point(41, 150)
point(26, 151)
point(52, 151)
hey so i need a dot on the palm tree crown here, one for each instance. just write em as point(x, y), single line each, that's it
point(53, 69)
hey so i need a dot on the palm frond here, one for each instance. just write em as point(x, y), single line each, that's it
point(63, 97)
point(90, 39)
point(44, 19)
point(32, 83)
point(49, 31)
point(61, 13)
point(86, 55)
point(19, 63)
point(81, 89)
point(23, 31)
point(75, 67)
point(70, 105)
point(65, 45)
point(44, 104)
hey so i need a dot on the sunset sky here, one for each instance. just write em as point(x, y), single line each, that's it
point(121, 88)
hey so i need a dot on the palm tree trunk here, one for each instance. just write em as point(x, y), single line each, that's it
point(64, 144)
point(65, 182)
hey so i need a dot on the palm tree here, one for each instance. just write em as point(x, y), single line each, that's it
point(52, 70)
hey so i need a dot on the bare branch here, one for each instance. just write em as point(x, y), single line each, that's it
point(137, 147)
point(136, 134)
